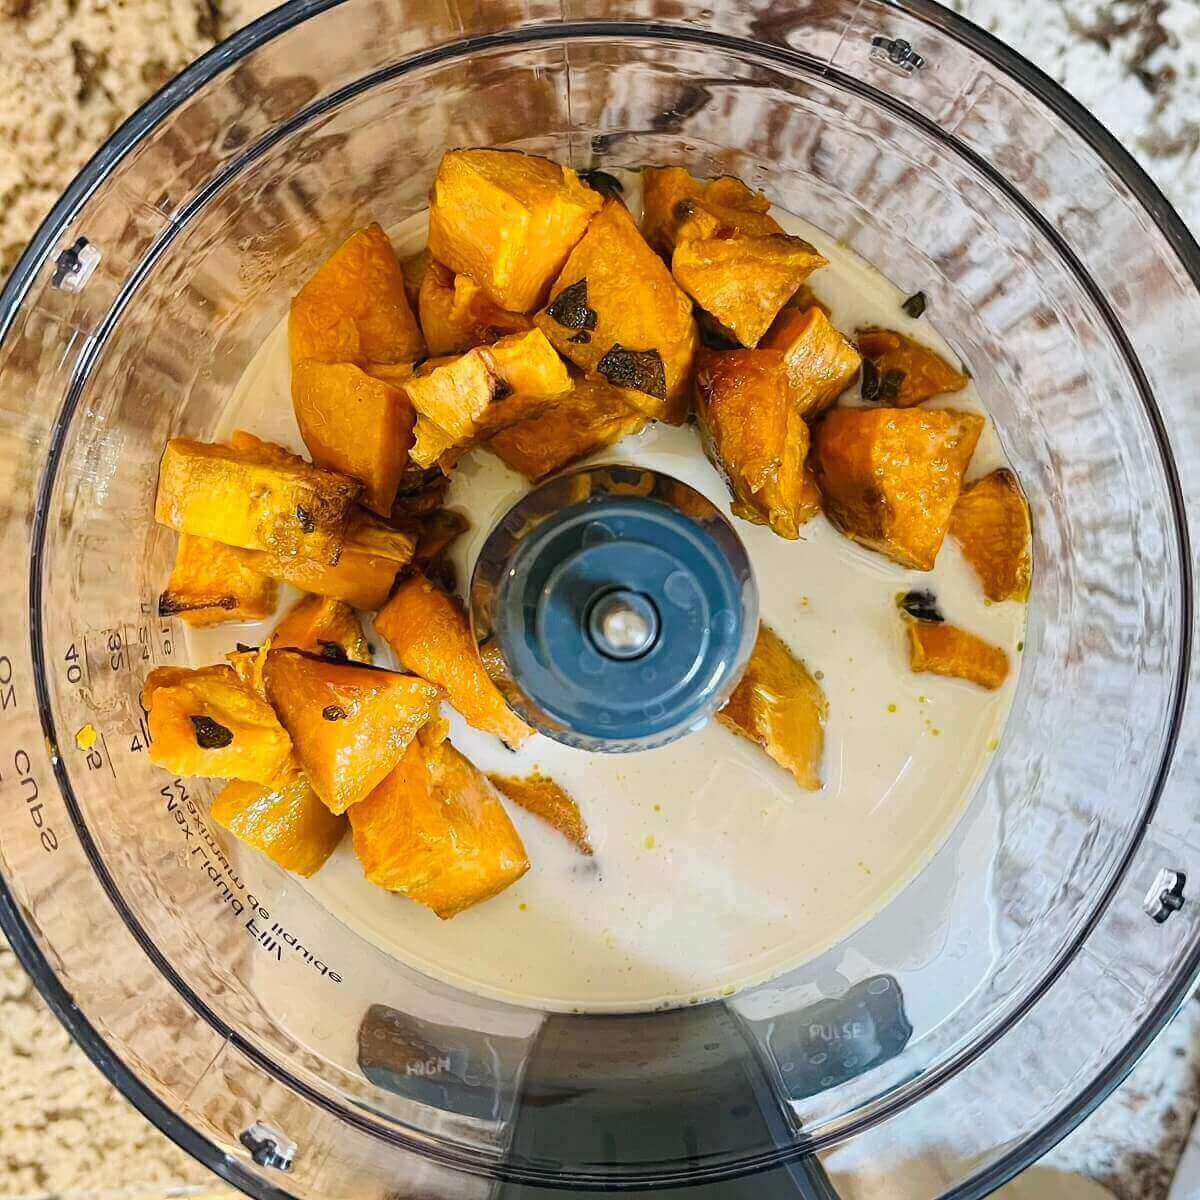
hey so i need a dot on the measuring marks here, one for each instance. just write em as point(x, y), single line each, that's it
point(104, 670)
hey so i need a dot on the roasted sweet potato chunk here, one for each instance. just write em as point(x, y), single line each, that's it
point(671, 196)
point(820, 363)
point(540, 795)
point(435, 831)
point(991, 524)
point(779, 705)
point(428, 630)
point(355, 424)
point(285, 820)
point(457, 314)
point(744, 280)
point(889, 477)
point(449, 402)
point(355, 309)
point(590, 417)
point(482, 392)
point(350, 724)
point(755, 435)
point(324, 627)
point(209, 723)
point(413, 268)
point(937, 648)
point(615, 311)
point(373, 553)
point(422, 489)
point(507, 220)
point(247, 663)
point(211, 583)
point(902, 371)
point(257, 497)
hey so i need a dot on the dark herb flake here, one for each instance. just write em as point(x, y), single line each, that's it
point(570, 307)
point(639, 370)
point(915, 305)
point(242, 648)
point(333, 712)
point(307, 521)
point(581, 338)
point(210, 734)
point(920, 605)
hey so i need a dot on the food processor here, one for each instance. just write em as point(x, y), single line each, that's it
point(934, 1051)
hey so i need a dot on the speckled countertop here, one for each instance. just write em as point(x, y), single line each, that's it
point(70, 70)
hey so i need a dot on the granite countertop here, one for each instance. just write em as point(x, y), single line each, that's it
point(70, 70)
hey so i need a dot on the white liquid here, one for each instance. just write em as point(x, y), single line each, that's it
point(712, 871)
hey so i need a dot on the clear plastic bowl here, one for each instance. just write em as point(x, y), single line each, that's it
point(996, 1000)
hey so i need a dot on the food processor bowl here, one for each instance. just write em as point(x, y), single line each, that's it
point(942, 1045)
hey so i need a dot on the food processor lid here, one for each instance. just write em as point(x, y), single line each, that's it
point(618, 605)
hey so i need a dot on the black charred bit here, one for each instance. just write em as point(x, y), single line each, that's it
point(891, 383)
point(581, 338)
point(915, 305)
point(333, 712)
point(242, 648)
point(333, 651)
point(638, 370)
point(604, 183)
point(307, 521)
point(210, 734)
point(920, 605)
point(870, 381)
point(570, 307)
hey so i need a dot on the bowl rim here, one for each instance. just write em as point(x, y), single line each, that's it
point(46, 242)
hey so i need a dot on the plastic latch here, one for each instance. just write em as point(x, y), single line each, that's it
point(268, 1147)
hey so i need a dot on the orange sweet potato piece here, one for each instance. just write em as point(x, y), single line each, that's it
point(247, 663)
point(744, 280)
point(755, 435)
point(937, 648)
point(672, 196)
point(355, 308)
point(422, 489)
point(209, 723)
point(435, 831)
point(889, 477)
point(436, 533)
point(413, 268)
point(394, 374)
point(590, 417)
point(508, 220)
point(782, 708)
point(482, 392)
point(373, 553)
point(615, 311)
point(210, 584)
point(285, 820)
point(355, 424)
point(541, 796)
point(457, 315)
point(449, 402)
point(428, 630)
point(990, 522)
point(820, 363)
point(350, 724)
point(254, 495)
point(903, 372)
point(324, 627)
